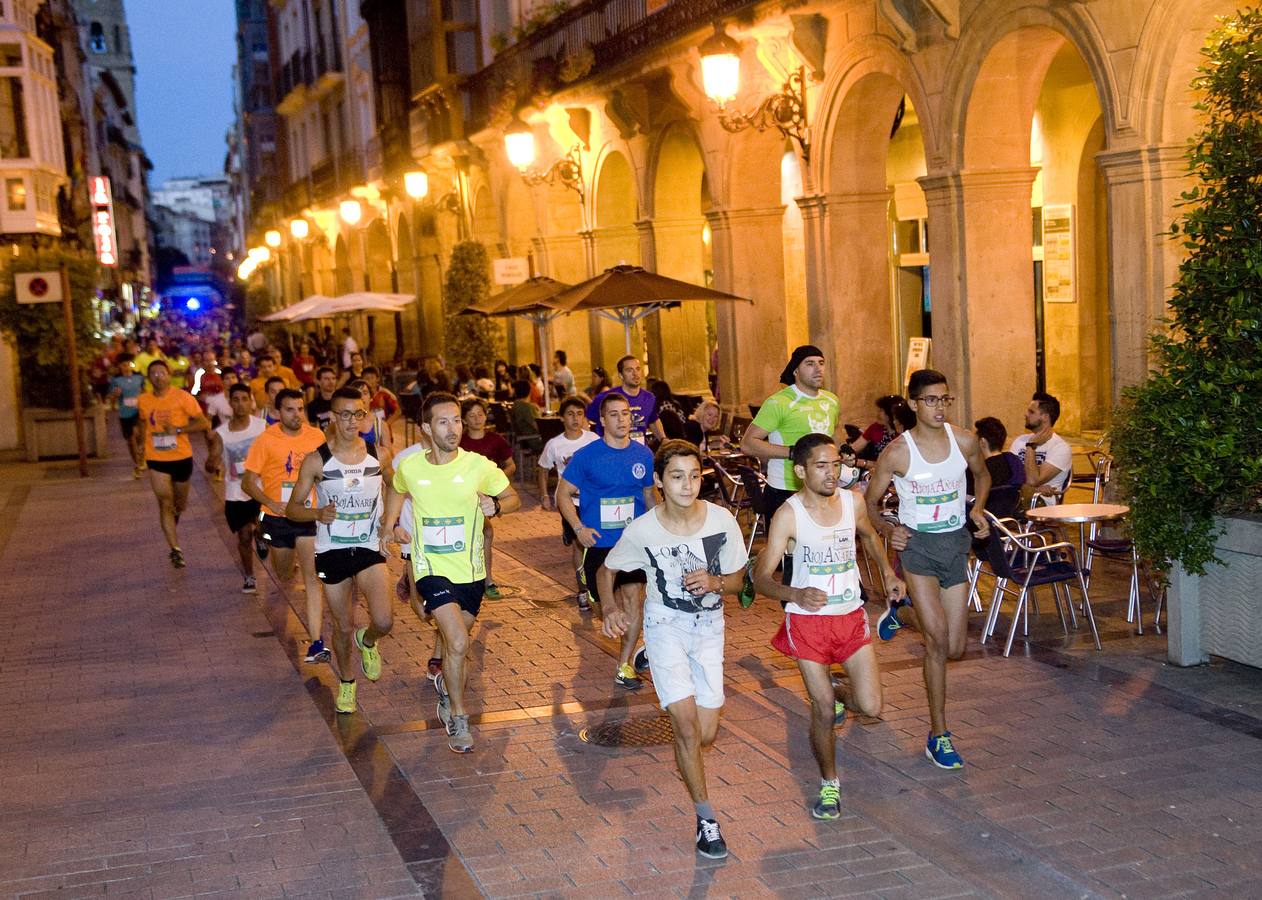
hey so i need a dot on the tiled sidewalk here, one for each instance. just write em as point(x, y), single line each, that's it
point(159, 731)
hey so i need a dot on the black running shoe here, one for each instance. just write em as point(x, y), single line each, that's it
point(710, 843)
point(260, 546)
point(177, 558)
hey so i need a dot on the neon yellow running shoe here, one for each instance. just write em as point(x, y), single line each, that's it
point(345, 702)
point(369, 657)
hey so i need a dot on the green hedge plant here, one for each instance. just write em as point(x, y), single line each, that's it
point(1188, 440)
point(470, 340)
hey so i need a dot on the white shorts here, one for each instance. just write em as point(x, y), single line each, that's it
point(685, 653)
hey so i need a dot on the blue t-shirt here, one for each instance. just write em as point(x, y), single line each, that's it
point(129, 387)
point(610, 486)
point(643, 412)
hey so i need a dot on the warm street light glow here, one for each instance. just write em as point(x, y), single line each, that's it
point(299, 229)
point(416, 184)
point(720, 66)
point(246, 269)
point(272, 238)
point(259, 254)
point(519, 144)
point(351, 211)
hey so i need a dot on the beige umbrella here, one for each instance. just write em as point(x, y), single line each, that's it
point(626, 294)
point(294, 310)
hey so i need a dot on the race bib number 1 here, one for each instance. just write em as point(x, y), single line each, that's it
point(443, 534)
point(616, 512)
point(938, 512)
point(834, 579)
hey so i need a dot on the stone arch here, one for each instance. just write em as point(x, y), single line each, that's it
point(486, 225)
point(321, 265)
point(343, 278)
point(615, 212)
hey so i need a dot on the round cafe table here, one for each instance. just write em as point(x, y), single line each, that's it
point(1077, 513)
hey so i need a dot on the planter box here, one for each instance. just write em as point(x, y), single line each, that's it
point(50, 433)
point(1220, 612)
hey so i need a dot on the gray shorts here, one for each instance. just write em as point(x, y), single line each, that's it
point(938, 554)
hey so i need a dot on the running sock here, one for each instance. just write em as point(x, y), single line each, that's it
point(344, 681)
point(835, 782)
point(705, 810)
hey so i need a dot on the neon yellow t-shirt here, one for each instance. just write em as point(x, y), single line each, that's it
point(788, 415)
point(446, 518)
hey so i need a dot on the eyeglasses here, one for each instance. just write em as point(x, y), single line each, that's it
point(347, 415)
point(930, 400)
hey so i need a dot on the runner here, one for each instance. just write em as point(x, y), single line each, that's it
point(320, 409)
point(229, 445)
point(350, 484)
point(556, 455)
point(694, 553)
point(476, 439)
point(126, 388)
point(271, 471)
point(642, 402)
point(931, 538)
point(405, 587)
point(824, 620)
point(267, 412)
point(383, 403)
point(802, 407)
point(606, 485)
point(452, 491)
point(167, 416)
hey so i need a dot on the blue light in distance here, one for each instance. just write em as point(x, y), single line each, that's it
point(193, 304)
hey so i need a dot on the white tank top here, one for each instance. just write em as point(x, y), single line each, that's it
point(356, 491)
point(931, 495)
point(824, 558)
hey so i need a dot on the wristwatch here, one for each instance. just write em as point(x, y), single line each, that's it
point(496, 501)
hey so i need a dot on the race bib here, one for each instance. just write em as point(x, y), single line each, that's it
point(443, 534)
point(938, 512)
point(165, 441)
point(352, 528)
point(132, 402)
point(834, 579)
point(286, 489)
point(239, 467)
point(616, 512)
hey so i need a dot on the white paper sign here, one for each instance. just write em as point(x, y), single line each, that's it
point(513, 270)
point(1058, 254)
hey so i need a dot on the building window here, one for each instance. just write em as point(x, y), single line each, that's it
point(15, 192)
point(13, 143)
point(96, 38)
point(11, 56)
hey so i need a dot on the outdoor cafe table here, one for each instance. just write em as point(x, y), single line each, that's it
point(1080, 514)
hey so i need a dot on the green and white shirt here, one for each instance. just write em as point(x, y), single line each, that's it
point(787, 415)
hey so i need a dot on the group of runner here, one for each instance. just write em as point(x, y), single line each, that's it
point(652, 555)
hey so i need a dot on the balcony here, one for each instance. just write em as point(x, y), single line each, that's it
point(554, 56)
point(326, 182)
point(308, 76)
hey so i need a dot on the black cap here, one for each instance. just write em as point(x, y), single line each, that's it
point(804, 352)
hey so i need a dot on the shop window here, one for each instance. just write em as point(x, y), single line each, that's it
point(15, 193)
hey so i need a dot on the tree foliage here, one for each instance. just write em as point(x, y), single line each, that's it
point(1188, 440)
point(472, 340)
point(38, 330)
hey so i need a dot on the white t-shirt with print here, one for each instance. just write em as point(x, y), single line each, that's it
point(558, 451)
point(1055, 450)
point(236, 444)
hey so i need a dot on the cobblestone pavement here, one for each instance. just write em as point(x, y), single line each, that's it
point(165, 740)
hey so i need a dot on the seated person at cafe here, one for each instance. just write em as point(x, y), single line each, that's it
point(877, 436)
point(1047, 457)
point(525, 417)
point(702, 427)
point(1007, 473)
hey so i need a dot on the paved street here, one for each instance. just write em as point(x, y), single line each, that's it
point(165, 740)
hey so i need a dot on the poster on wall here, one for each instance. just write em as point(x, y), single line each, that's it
point(1058, 254)
point(917, 356)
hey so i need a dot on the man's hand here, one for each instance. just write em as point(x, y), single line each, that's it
point(487, 504)
point(548, 503)
point(587, 536)
point(700, 581)
point(810, 599)
point(979, 519)
point(214, 465)
point(615, 623)
point(899, 537)
point(898, 590)
point(327, 514)
point(400, 535)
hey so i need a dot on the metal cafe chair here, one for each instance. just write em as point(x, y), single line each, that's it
point(752, 484)
point(1022, 561)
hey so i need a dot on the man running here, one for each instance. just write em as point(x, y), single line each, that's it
point(348, 476)
point(126, 388)
point(606, 485)
point(229, 445)
point(642, 402)
point(824, 620)
point(692, 553)
point(802, 407)
point(931, 538)
point(452, 492)
point(476, 439)
point(320, 409)
point(271, 472)
point(557, 454)
point(167, 416)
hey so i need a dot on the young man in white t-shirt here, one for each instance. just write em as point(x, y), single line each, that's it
point(824, 619)
point(556, 455)
point(692, 553)
point(1048, 458)
point(229, 445)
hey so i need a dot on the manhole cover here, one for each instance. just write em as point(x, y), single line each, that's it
point(642, 732)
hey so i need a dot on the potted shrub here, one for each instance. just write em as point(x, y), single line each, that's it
point(1188, 440)
point(470, 340)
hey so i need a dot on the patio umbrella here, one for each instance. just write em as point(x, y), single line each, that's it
point(289, 313)
point(361, 301)
point(626, 294)
point(532, 300)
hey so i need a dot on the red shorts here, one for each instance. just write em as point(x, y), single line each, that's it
point(823, 639)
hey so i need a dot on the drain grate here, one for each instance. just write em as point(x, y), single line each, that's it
point(641, 732)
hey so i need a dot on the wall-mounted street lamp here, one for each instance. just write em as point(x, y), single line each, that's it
point(416, 185)
point(299, 228)
point(272, 238)
point(721, 77)
point(351, 211)
point(519, 146)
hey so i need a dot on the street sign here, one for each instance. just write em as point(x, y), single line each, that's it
point(38, 287)
point(513, 270)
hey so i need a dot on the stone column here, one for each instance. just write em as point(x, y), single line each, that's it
point(1143, 184)
point(748, 254)
point(677, 337)
point(982, 286)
